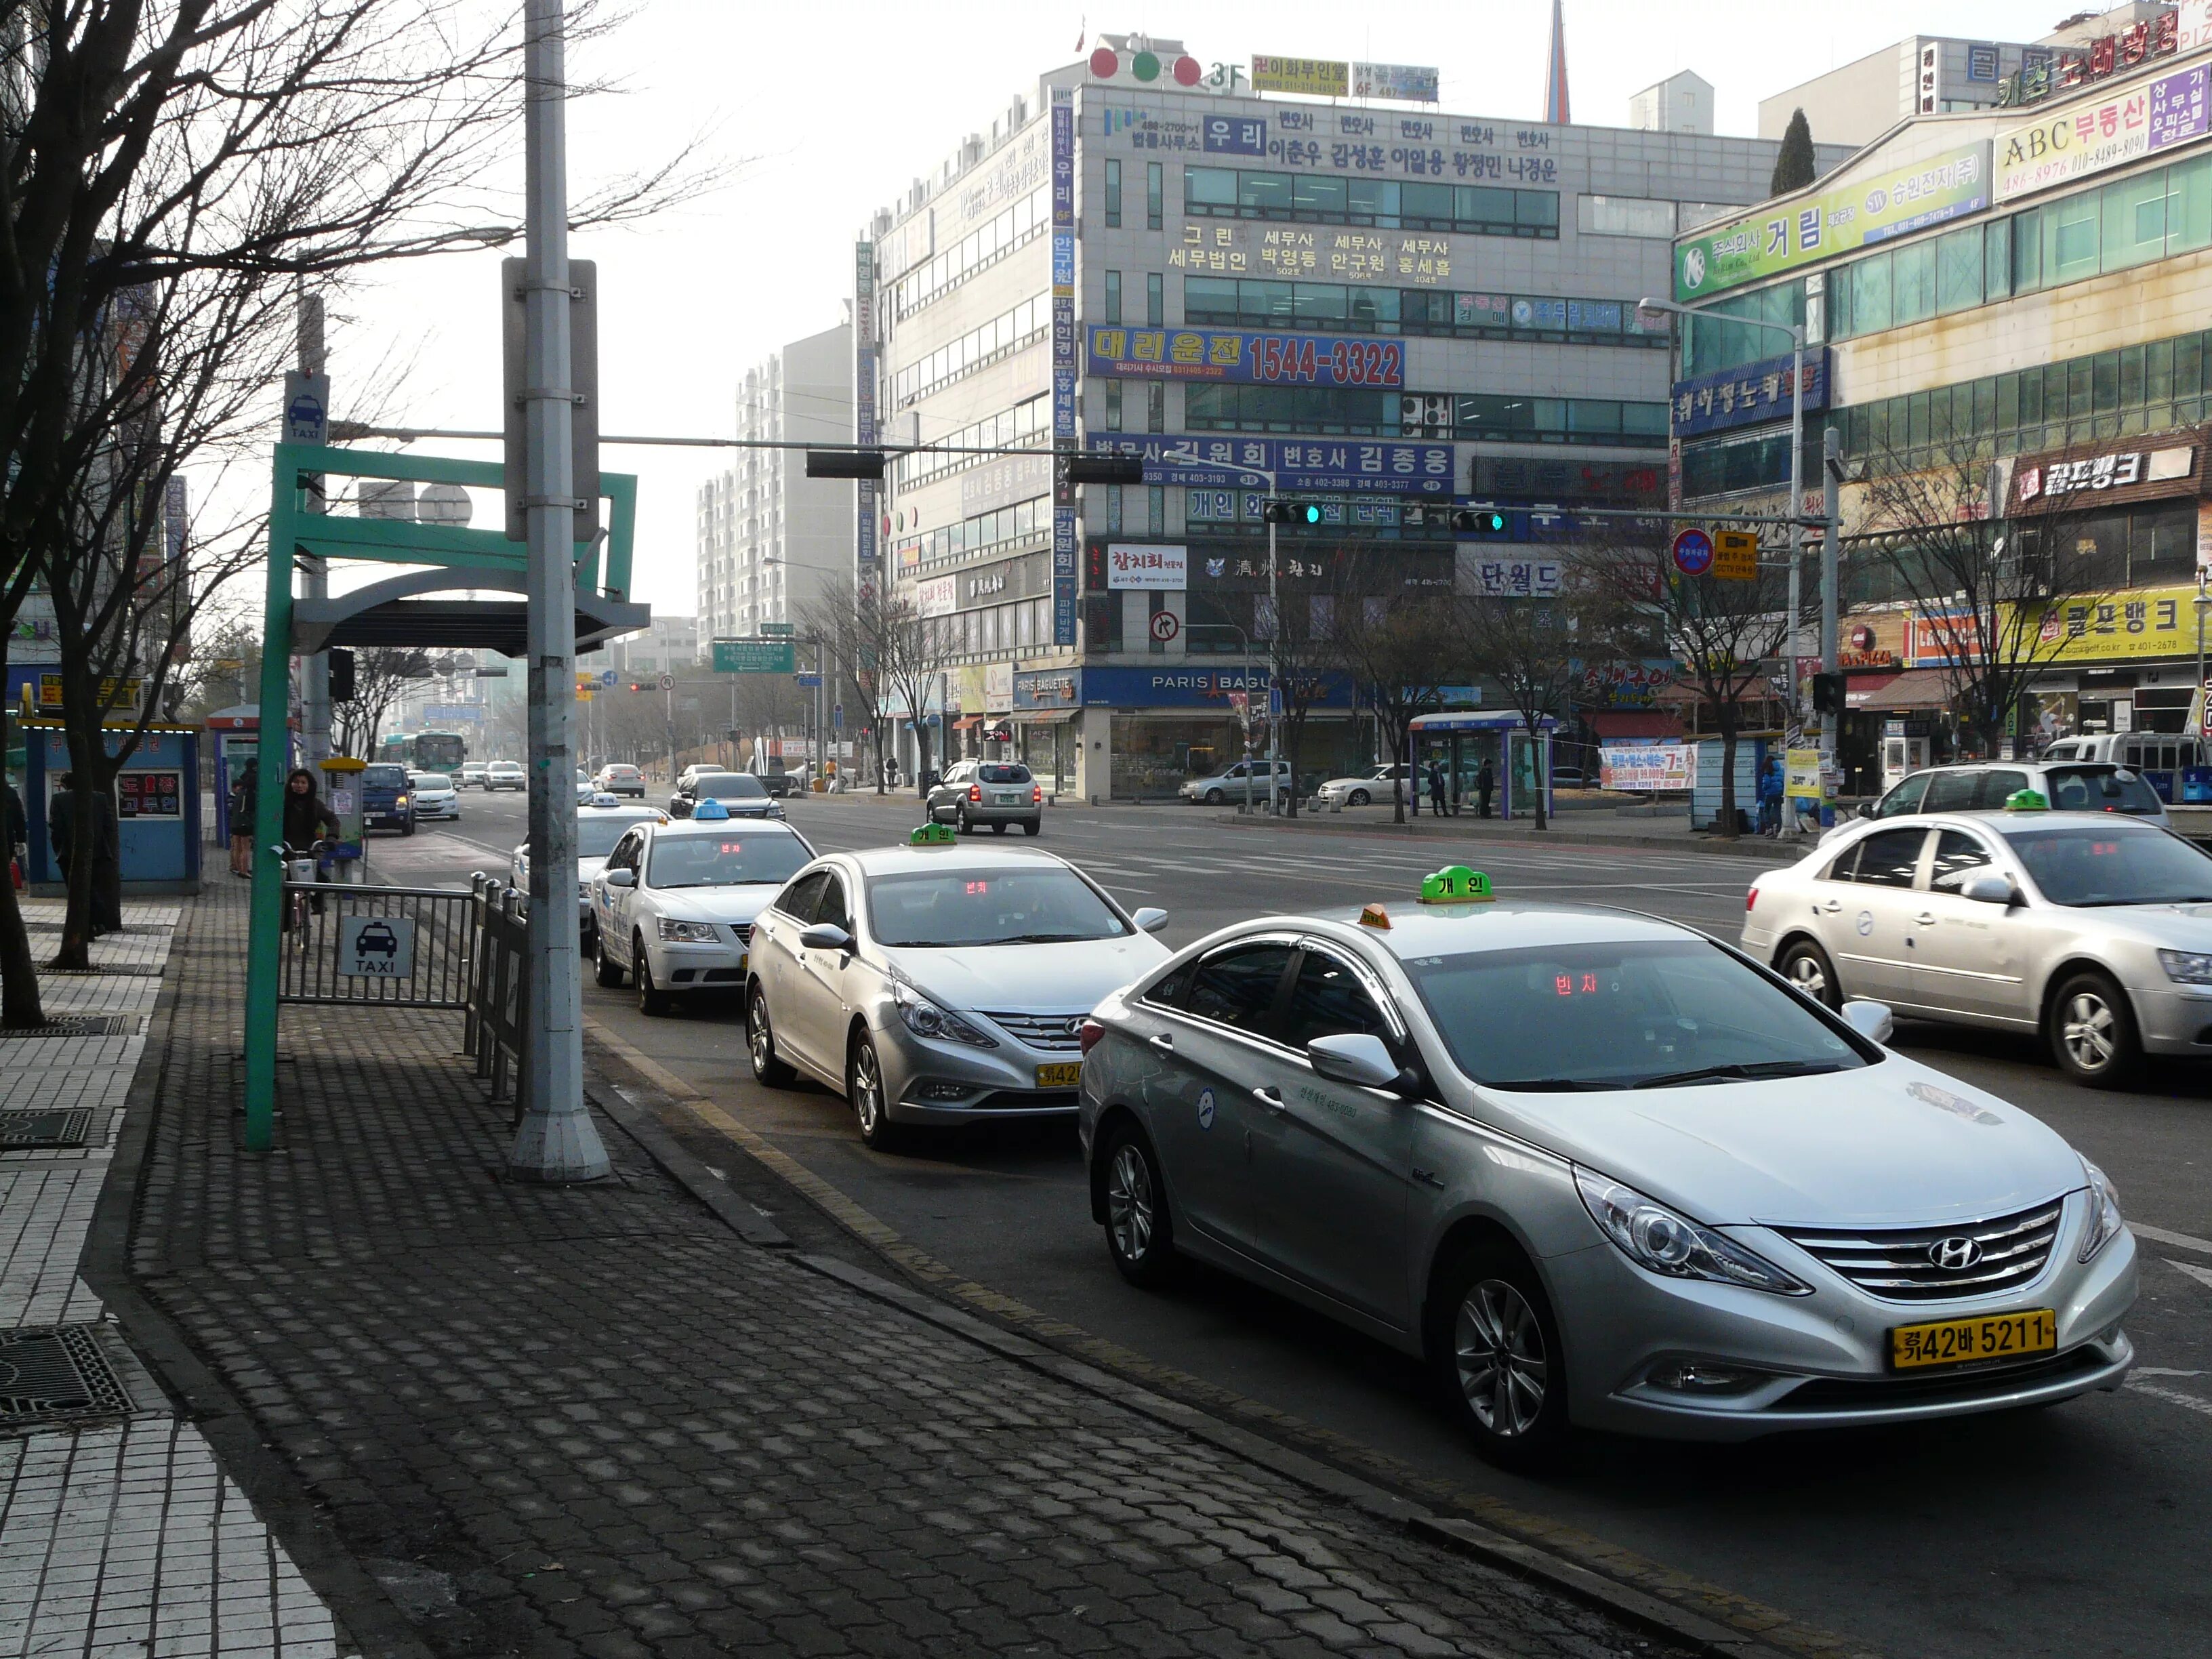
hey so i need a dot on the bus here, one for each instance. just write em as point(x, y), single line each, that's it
point(426, 751)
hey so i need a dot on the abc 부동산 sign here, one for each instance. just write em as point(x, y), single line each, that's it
point(1869, 210)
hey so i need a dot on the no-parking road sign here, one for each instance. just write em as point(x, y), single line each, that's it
point(1693, 552)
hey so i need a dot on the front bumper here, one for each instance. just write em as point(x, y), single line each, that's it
point(2174, 1019)
point(678, 965)
point(1821, 1360)
point(947, 1084)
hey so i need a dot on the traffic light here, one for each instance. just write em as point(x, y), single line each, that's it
point(1483, 523)
point(1308, 513)
point(637, 685)
point(341, 675)
point(1828, 693)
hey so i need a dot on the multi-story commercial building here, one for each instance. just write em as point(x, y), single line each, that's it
point(1370, 304)
point(2017, 299)
point(768, 538)
point(669, 644)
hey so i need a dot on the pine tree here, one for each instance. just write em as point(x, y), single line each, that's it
point(1794, 168)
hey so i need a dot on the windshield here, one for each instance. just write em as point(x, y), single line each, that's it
point(2101, 789)
point(384, 777)
point(2090, 866)
point(734, 861)
point(729, 785)
point(1041, 906)
point(1621, 1016)
point(596, 836)
point(433, 781)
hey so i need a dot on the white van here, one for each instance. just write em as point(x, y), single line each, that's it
point(2160, 756)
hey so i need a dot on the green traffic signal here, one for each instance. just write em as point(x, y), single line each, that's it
point(1313, 512)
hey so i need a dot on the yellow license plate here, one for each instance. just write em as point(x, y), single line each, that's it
point(1956, 1341)
point(1064, 1076)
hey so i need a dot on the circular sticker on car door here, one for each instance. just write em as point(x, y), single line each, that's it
point(1206, 1108)
point(1866, 923)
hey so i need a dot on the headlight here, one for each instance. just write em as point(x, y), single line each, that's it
point(400, 801)
point(2104, 1208)
point(1654, 1236)
point(2186, 967)
point(926, 1019)
point(687, 933)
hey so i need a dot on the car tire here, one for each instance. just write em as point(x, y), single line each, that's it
point(966, 826)
point(768, 1071)
point(1139, 1230)
point(1033, 826)
point(408, 828)
point(864, 1090)
point(2093, 1033)
point(1215, 798)
point(651, 998)
point(606, 970)
point(1497, 1351)
point(998, 826)
point(1805, 966)
point(1357, 798)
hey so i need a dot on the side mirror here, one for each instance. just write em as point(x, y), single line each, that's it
point(825, 936)
point(1354, 1057)
point(1151, 919)
point(622, 877)
point(1871, 1020)
point(1988, 888)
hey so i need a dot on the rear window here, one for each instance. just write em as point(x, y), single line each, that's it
point(384, 777)
point(729, 785)
point(2101, 789)
point(1003, 774)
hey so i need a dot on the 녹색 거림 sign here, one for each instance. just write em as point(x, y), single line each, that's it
point(1868, 209)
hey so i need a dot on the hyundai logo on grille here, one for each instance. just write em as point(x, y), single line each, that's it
point(1954, 1255)
point(1074, 1026)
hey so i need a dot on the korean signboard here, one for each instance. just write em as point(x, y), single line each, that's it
point(866, 512)
point(1749, 396)
point(1314, 253)
point(1328, 466)
point(939, 596)
point(1497, 573)
point(1064, 358)
point(2143, 621)
point(117, 696)
point(1048, 688)
point(1869, 210)
point(1231, 355)
point(1141, 565)
point(1310, 77)
point(149, 795)
point(2045, 71)
point(1625, 684)
point(1647, 766)
point(2050, 484)
point(1409, 84)
point(2089, 138)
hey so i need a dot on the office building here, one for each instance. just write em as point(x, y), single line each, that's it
point(1371, 305)
point(2015, 298)
point(768, 538)
point(1682, 103)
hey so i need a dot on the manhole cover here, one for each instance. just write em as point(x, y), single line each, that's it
point(80, 1025)
point(56, 1372)
point(53, 1128)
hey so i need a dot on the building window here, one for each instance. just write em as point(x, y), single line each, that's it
point(1113, 193)
point(1113, 297)
point(1156, 510)
point(1113, 405)
point(1154, 193)
point(1155, 299)
point(1333, 198)
point(1156, 406)
point(1624, 215)
point(1114, 509)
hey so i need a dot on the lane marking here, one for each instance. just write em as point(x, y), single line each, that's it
point(2181, 1241)
point(2202, 1275)
point(2171, 1396)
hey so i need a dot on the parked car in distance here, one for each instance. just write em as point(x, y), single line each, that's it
point(435, 796)
point(506, 775)
point(1569, 777)
point(1986, 785)
point(1376, 783)
point(1224, 788)
point(619, 778)
point(743, 794)
point(996, 793)
point(776, 782)
point(471, 776)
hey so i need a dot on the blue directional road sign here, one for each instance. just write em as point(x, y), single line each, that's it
point(1693, 552)
point(810, 679)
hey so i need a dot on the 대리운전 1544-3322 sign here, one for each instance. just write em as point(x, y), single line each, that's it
point(1245, 357)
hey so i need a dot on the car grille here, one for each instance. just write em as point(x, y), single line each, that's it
point(743, 930)
point(1048, 1031)
point(1901, 1265)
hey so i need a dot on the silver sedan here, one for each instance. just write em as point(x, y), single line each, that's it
point(2090, 930)
point(937, 983)
point(1601, 1171)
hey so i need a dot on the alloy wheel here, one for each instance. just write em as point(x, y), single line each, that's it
point(1499, 1344)
point(758, 1044)
point(2087, 1030)
point(867, 1090)
point(1129, 1202)
point(1806, 974)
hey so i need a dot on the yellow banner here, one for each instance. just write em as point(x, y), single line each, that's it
point(1312, 78)
point(2143, 622)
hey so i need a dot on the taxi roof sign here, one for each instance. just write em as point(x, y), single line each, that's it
point(1377, 917)
point(710, 810)
point(932, 835)
point(2027, 800)
point(1457, 884)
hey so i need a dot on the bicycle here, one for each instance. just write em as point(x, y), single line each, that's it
point(302, 870)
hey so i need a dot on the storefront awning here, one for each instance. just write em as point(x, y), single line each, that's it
point(966, 721)
point(1043, 716)
point(1915, 689)
point(1635, 723)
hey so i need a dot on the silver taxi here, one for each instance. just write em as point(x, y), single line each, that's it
point(1601, 1171)
point(2091, 930)
point(937, 983)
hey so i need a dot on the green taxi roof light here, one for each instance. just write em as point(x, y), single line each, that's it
point(1457, 884)
point(2027, 800)
point(932, 835)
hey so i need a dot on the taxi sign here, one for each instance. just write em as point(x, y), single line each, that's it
point(1457, 884)
point(932, 835)
point(2027, 800)
point(1377, 917)
point(709, 810)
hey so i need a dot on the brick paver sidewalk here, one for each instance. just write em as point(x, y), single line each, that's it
point(595, 1421)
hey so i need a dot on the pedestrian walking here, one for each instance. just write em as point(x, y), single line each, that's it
point(306, 818)
point(1436, 787)
point(61, 822)
point(1770, 796)
point(245, 804)
point(19, 833)
point(1484, 781)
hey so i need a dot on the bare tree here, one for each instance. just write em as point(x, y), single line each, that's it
point(1402, 650)
point(912, 651)
point(1983, 588)
point(1525, 644)
point(382, 675)
point(855, 622)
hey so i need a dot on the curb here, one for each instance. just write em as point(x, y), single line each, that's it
point(1750, 846)
point(365, 1617)
point(1650, 1613)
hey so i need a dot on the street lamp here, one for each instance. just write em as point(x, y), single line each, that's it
point(1797, 333)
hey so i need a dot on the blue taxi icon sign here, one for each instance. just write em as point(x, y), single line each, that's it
point(1693, 552)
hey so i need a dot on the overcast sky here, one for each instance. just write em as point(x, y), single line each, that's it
point(833, 105)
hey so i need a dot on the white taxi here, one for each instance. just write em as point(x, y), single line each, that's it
point(675, 903)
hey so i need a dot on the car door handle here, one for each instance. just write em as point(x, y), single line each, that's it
point(1831, 906)
point(1926, 919)
point(1164, 1042)
point(1270, 1098)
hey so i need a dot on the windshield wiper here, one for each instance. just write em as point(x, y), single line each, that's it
point(2108, 903)
point(1049, 939)
point(1546, 1085)
point(1737, 1070)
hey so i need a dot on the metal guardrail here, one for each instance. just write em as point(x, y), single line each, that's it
point(497, 1025)
point(438, 966)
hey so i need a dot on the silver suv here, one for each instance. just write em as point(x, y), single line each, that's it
point(1986, 786)
point(996, 793)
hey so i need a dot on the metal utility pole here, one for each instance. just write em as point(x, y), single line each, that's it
point(558, 1140)
point(315, 671)
point(1275, 669)
point(1832, 470)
